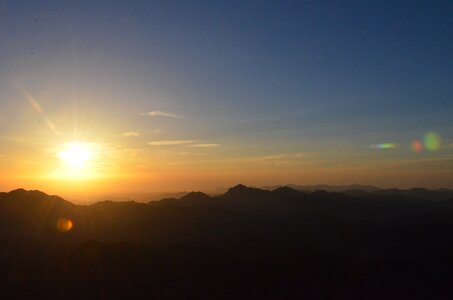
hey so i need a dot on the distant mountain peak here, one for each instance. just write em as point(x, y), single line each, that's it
point(286, 191)
point(195, 196)
point(32, 193)
point(32, 199)
point(284, 188)
point(22, 191)
point(241, 191)
point(238, 187)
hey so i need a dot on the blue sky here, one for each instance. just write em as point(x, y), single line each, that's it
point(256, 78)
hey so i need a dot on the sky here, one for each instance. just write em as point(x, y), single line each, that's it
point(145, 96)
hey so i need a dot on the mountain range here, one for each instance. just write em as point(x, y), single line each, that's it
point(245, 243)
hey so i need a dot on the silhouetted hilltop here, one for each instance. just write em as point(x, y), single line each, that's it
point(241, 190)
point(23, 198)
point(196, 197)
point(29, 213)
point(285, 191)
point(247, 194)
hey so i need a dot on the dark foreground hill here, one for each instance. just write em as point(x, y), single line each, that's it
point(245, 244)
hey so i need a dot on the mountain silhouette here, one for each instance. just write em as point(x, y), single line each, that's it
point(196, 198)
point(247, 242)
point(285, 191)
point(241, 191)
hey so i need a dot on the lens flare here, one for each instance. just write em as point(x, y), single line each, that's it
point(417, 146)
point(432, 141)
point(383, 146)
point(38, 108)
point(64, 225)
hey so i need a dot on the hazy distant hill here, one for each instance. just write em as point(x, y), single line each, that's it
point(246, 242)
point(328, 188)
point(138, 197)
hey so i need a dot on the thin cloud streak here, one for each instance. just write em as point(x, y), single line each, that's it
point(159, 113)
point(170, 143)
point(205, 145)
point(131, 134)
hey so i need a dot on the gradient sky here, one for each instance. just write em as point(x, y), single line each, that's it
point(181, 95)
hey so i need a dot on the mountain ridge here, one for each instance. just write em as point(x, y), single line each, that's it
point(288, 239)
point(243, 191)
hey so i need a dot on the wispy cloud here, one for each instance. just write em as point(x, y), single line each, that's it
point(188, 153)
point(170, 142)
point(205, 145)
point(131, 134)
point(159, 113)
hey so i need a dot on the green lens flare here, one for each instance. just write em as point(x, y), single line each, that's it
point(383, 146)
point(432, 141)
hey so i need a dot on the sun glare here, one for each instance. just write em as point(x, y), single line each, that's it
point(76, 155)
point(79, 161)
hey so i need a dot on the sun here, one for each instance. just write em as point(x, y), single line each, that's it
point(79, 161)
point(76, 155)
